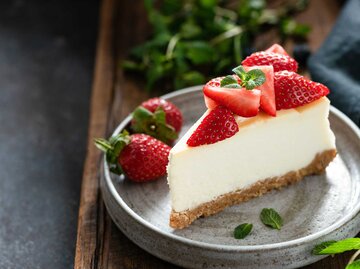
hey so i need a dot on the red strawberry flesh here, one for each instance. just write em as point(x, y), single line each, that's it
point(218, 125)
point(293, 90)
point(242, 102)
point(276, 48)
point(267, 99)
point(278, 61)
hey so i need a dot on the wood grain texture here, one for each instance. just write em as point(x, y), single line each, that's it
point(91, 225)
point(100, 244)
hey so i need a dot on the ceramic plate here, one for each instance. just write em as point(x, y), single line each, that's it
point(319, 208)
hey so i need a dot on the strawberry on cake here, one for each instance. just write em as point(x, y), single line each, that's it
point(266, 127)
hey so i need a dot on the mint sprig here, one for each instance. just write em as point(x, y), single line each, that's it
point(241, 231)
point(271, 218)
point(320, 247)
point(336, 247)
point(249, 80)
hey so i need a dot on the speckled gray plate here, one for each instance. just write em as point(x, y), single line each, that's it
point(319, 208)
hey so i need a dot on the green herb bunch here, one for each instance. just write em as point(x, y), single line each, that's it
point(194, 40)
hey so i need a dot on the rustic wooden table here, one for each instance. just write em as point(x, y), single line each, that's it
point(122, 25)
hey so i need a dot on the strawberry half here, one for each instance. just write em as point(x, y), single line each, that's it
point(278, 61)
point(242, 102)
point(293, 90)
point(139, 156)
point(236, 92)
point(267, 99)
point(218, 125)
point(276, 48)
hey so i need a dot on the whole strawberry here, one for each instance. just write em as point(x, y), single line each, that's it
point(140, 157)
point(293, 90)
point(277, 60)
point(158, 118)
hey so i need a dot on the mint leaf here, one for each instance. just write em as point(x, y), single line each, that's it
point(228, 80)
point(320, 247)
point(341, 246)
point(242, 230)
point(257, 76)
point(240, 71)
point(271, 218)
point(237, 86)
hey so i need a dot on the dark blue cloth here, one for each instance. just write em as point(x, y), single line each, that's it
point(337, 63)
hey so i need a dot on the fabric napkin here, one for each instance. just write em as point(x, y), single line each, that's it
point(337, 63)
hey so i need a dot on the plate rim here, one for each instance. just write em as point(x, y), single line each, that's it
point(211, 246)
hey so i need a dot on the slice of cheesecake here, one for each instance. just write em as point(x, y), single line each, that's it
point(266, 153)
point(266, 127)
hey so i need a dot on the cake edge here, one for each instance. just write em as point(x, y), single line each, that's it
point(180, 220)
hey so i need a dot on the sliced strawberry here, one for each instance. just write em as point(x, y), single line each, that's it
point(242, 102)
point(293, 90)
point(210, 103)
point(215, 82)
point(218, 125)
point(278, 61)
point(276, 48)
point(267, 99)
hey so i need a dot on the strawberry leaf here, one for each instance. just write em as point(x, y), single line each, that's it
point(113, 148)
point(153, 124)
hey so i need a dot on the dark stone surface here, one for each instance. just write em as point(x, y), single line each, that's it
point(46, 63)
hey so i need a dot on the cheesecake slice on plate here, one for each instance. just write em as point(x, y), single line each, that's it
point(263, 130)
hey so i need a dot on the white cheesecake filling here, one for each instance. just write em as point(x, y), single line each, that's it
point(265, 147)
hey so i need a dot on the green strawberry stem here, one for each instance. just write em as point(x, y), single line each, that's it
point(153, 124)
point(249, 80)
point(113, 148)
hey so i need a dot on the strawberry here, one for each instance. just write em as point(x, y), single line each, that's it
point(140, 157)
point(215, 82)
point(276, 48)
point(237, 92)
point(218, 125)
point(278, 61)
point(267, 99)
point(173, 113)
point(158, 118)
point(293, 90)
point(242, 102)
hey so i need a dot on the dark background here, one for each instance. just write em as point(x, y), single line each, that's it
point(46, 62)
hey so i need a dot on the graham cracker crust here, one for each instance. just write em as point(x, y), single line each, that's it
point(180, 220)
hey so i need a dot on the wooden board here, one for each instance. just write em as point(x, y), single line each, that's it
point(122, 25)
